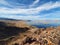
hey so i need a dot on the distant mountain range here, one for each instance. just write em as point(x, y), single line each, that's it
point(7, 19)
point(13, 19)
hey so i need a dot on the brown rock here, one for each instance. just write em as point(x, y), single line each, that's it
point(31, 35)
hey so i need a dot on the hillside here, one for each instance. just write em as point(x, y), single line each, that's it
point(19, 33)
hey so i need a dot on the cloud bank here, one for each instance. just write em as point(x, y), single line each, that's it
point(32, 12)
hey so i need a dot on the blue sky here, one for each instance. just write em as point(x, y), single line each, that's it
point(30, 9)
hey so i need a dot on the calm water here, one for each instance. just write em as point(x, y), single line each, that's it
point(44, 24)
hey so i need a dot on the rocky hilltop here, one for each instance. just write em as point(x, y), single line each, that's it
point(19, 33)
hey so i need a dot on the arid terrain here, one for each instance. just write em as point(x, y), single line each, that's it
point(19, 33)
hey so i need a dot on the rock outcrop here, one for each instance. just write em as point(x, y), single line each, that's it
point(30, 35)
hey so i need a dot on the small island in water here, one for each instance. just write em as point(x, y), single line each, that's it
point(18, 32)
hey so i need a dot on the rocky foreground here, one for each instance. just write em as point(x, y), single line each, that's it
point(18, 33)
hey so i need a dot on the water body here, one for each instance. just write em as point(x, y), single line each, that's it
point(44, 23)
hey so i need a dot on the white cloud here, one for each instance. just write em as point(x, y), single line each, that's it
point(4, 2)
point(21, 17)
point(27, 17)
point(35, 2)
point(30, 11)
point(11, 4)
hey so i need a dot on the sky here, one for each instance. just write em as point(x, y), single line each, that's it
point(30, 9)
